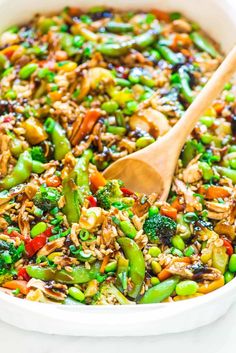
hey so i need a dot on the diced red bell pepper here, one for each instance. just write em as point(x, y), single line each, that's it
point(35, 244)
point(228, 246)
point(92, 201)
point(126, 192)
point(22, 273)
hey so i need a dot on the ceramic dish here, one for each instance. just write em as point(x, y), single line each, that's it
point(133, 320)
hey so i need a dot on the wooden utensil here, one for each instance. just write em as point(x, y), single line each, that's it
point(152, 169)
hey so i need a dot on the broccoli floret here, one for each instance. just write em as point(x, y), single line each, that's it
point(9, 254)
point(37, 154)
point(108, 291)
point(160, 228)
point(109, 194)
point(46, 198)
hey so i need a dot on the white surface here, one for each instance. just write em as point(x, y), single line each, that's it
point(140, 320)
point(218, 337)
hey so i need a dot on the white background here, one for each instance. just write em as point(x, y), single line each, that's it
point(219, 337)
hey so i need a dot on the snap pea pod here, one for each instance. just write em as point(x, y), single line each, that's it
point(73, 198)
point(59, 139)
point(78, 274)
point(122, 271)
point(20, 173)
point(38, 167)
point(168, 54)
point(220, 258)
point(189, 152)
point(185, 87)
point(115, 49)
point(136, 263)
point(203, 44)
point(81, 169)
point(147, 38)
point(119, 27)
point(227, 172)
point(160, 292)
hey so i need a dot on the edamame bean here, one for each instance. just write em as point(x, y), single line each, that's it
point(186, 288)
point(76, 293)
point(228, 276)
point(178, 242)
point(154, 251)
point(232, 263)
point(38, 229)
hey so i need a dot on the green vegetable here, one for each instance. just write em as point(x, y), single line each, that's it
point(168, 55)
point(128, 229)
point(208, 121)
point(203, 44)
point(115, 49)
point(136, 263)
point(9, 254)
point(37, 154)
point(220, 259)
point(110, 106)
point(119, 27)
point(46, 198)
point(159, 228)
point(178, 242)
point(227, 172)
point(20, 173)
point(189, 152)
point(147, 38)
point(59, 139)
point(76, 293)
point(160, 292)
point(73, 198)
point(38, 229)
point(232, 263)
point(27, 70)
point(107, 291)
point(185, 229)
point(186, 288)
point(79, 274)
point(228, 276)
point(109, 194)
point(81, 170)
point(111, 267)
point(154, 251)
point(207, 172)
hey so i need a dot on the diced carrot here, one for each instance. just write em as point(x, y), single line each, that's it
point(86, 126)
point(97, 180)
point(161, 15)
point(168, 211)
point(185, 259)
point(8, 52)
point(177, 205)
point(218, 106)
point(53, 181)
point(61, 55)
point(73, 11)
point(17, 284)
point(214, 192)
point(164, 274)
point(55, 96)
point(104, 263)
point(180, 40)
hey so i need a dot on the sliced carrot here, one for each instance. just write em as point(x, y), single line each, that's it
point(97, 180)
point(161, 15)
point(17, 284)
point(104, 263)
point(85, 127)
point(168, 211)
point(53, 181)
point(177, 205)
point(164, 274)
point(214, 192)
point(182, 259)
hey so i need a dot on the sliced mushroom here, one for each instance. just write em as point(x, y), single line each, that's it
point(151, 121)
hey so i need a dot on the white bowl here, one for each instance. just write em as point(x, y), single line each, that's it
point(218, 18)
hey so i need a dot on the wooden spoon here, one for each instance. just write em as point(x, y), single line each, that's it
point(152, 169)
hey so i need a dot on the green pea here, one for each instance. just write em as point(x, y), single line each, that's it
point(111, 267)
point(206, 138)
point(128, 229)
point(153, 210)
point(154, 251)
point(207, 120)
point(178, 242)
point(232, 163)
point(230, 97)
point(27, 70)
point(186, 288)
point(232, 263)
point(228, 276)
point(154, 281)
point(76, 293)
point(144, 141)
point(38, 229)
point(110, 107)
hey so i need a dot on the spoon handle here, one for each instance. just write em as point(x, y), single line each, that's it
point(201, 103)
